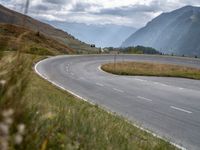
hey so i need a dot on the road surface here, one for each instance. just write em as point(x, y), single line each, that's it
point(170, 107)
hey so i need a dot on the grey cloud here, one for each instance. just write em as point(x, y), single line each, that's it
point(155, 6)
point(56, 1)
point(83, 7)
point(191, 2)
point(79, 7)
point(40, 7)
point(84, 12)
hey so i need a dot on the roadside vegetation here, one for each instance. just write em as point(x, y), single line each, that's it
point(151, 69)
point(134, 50)
point(140, 50)
point(35, 115)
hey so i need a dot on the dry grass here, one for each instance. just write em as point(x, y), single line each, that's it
point(12, 37)
point(151, 69)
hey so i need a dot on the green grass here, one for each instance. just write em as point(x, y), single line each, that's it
point(152, 69)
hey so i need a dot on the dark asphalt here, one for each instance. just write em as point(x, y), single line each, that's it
point(170, 107)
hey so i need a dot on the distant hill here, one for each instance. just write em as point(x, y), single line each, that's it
point(12, 17)
point(176, 32)
point(108, 35)
point(13, 37)
point(133, 50)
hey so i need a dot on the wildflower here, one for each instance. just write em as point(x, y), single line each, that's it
point(49, 115)
point(8, 120)
point(5, 134)
point(2, 82)
point(4, 129)
point(21, 129)
point(18, 139)
point(7, 113)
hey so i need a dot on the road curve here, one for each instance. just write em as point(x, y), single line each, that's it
point(170, 107)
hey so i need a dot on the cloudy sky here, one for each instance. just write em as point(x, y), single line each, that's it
point(134, 13)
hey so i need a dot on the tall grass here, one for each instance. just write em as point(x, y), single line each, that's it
point(13, 82)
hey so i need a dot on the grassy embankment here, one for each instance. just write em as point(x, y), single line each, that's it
point(151, 69)
point(54, 119)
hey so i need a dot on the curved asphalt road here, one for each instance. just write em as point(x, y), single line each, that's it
point(170, 107)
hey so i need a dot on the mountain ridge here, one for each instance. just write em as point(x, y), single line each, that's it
point(174, 32)
point(12, 17)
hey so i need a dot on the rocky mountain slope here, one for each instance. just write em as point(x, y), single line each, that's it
point(175, 32)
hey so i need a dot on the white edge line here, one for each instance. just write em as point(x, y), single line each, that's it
point(104, 108)
point(54, 83)
point(158, 136)
point(99, 84)
point(143, 98)
point(142, 80)
point(99, 68)
point(118, 90)
point(181, 109)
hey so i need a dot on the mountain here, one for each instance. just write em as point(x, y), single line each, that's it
point(12, 17)
point(108, 35)
point(175, 32)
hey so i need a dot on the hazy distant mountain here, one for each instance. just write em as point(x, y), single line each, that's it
point(101, 35)
point(175, 32)
point(11, 17)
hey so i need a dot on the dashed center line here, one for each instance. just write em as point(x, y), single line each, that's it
point(67, 69)
point(140, 80)
point(143, 98)
point(99, 84)
point(181, 109)
point(156, 83)
point(118, 90)
point(162, 84)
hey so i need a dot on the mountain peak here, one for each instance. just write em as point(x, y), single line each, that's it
point(189, 8)
point(175, 32)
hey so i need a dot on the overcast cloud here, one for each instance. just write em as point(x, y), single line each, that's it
point(134, 13)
